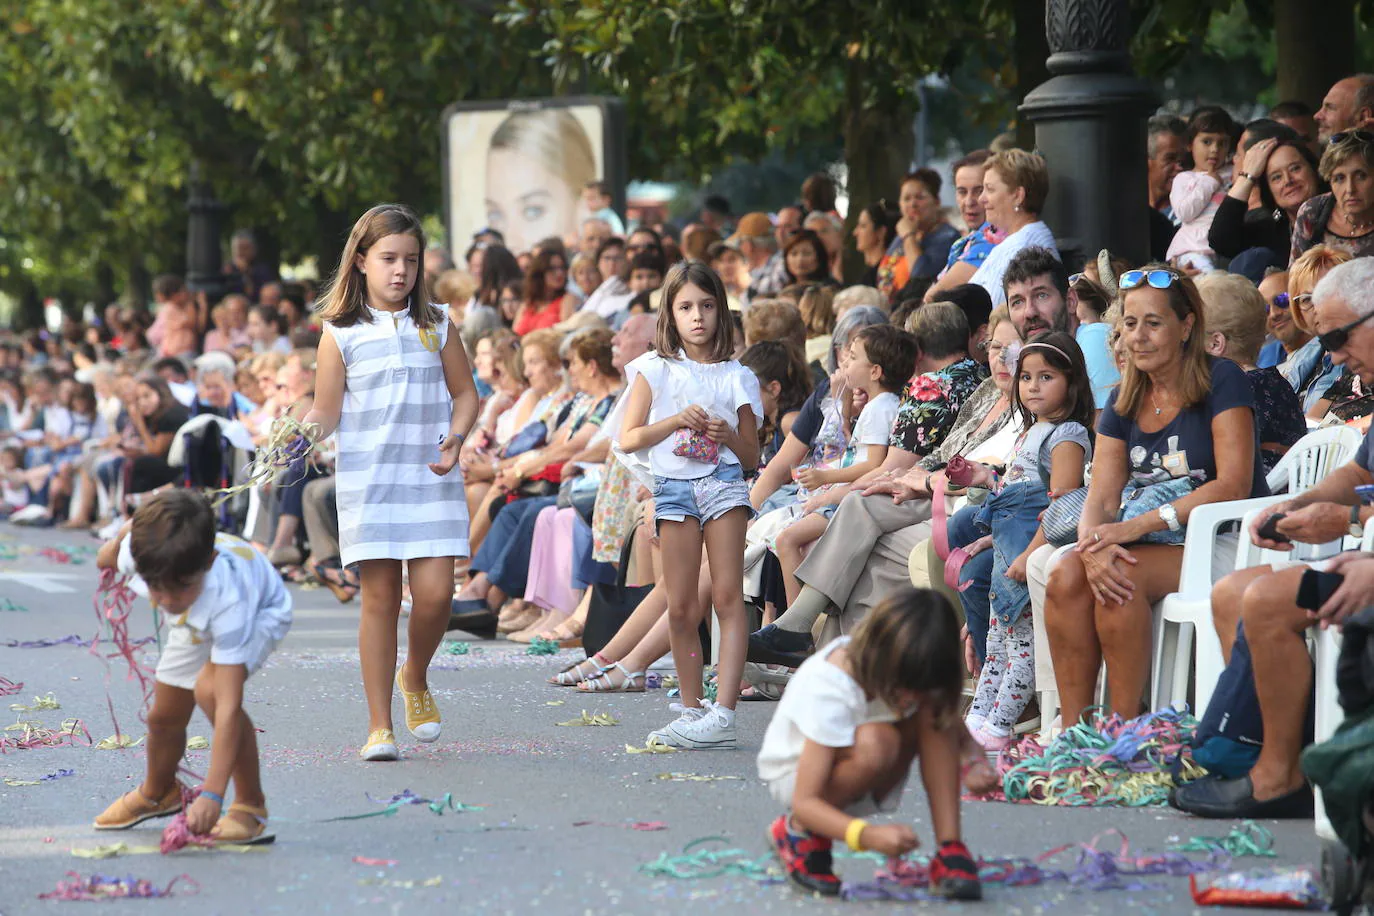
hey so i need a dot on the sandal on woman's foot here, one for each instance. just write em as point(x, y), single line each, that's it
point(133, 808)
point(249, 831)
point(515, 616)
point(381, 745)
point(601, 683)
point(566, 633)
point(527, 635)
point(578, 672)
point(422, 716)
point(329, 574)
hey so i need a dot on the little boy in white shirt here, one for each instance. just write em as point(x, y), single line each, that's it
point(228, 610)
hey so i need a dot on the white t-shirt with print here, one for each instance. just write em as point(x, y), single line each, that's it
point(872, 427)
point(242, 606)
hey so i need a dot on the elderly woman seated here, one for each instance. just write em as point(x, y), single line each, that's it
point(1178, 433)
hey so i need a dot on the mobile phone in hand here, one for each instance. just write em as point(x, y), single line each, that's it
point(1316, 588)
point(1270, 529)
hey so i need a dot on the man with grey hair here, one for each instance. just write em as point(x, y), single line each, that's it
point(1166, 136)
point(595, 231)
point(216, 391)
point(1264, 599)
point(1348, 105)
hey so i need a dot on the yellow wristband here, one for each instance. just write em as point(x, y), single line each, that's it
point(854, 832)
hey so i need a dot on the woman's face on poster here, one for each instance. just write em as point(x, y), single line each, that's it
point(527, 202)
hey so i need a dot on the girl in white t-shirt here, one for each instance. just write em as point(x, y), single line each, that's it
point(688, 427)
point(850, 725)
point(881, 360)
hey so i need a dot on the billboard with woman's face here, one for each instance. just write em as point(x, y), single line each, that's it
point(520, 167)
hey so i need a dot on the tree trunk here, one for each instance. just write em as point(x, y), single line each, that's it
point(329, 242)
point(878, 145)
point(1031, 49)
point(1315, 49)
point(104, 286)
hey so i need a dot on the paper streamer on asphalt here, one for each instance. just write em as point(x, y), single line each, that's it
point(601, 718)
point(103, 887)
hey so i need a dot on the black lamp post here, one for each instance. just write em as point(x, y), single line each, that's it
point(204, 272)
point(1090, 125)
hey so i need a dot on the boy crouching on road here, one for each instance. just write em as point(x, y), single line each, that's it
point(228, 610)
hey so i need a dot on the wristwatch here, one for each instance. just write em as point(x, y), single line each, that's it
point(1170, 516)
point(1356, 526)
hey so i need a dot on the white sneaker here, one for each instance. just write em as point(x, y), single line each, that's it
point(689, 714)
point(714, 729)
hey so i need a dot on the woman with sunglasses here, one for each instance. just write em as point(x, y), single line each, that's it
point(1179, 417)
point(1309, 369)
point(1344, 217)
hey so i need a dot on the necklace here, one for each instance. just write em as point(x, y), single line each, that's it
point(1158, 410)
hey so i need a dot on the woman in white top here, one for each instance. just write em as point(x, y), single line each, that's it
point(1015, 186)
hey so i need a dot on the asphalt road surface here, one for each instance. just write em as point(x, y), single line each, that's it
point(554, 833)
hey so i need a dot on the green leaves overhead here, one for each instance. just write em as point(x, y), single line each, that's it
point(302, 112)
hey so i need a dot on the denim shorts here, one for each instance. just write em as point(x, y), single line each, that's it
point(704, 499)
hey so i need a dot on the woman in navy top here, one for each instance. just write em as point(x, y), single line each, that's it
point(1178, 413)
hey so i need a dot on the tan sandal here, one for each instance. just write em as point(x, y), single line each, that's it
point(231, 832)
point(124, 813)
point(578, 672)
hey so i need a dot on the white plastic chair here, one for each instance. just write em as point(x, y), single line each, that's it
point(1187, 628)
point(1313, 457)
point(1185, 632)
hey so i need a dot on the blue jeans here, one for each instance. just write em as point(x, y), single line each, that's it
point(978, 571)
point(505, 553)
point(585, 570)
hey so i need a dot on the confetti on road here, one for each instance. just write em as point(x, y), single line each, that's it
point(12, 781)
point(102, 887)
point(39, 704)
point(601, 718)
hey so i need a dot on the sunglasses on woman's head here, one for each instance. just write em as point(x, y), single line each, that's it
point(1281, 302)
point(1156, 279)
point(1074, 278)
point(1335, 340)
point(1363, 136)
point(1303, 301)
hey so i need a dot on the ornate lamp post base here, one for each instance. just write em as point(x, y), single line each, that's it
point(1090, 126)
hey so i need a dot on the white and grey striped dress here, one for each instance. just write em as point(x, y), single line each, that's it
point(396, 411)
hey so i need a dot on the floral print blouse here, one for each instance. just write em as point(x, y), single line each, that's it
point(931, 404)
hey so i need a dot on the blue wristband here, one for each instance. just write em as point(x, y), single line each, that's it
point(206, 793)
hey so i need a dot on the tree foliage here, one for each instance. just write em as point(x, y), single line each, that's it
point(301, 112)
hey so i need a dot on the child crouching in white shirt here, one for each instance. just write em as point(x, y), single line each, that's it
point(853, 720)
point(228, 610)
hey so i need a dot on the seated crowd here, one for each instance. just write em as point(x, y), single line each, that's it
point(976, 416)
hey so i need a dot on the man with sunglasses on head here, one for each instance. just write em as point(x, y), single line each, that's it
point(1264, 598)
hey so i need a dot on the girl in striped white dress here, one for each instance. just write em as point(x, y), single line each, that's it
point(393, 379)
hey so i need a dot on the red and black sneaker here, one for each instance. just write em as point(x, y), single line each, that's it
point(806, 858)
point(954, 873)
